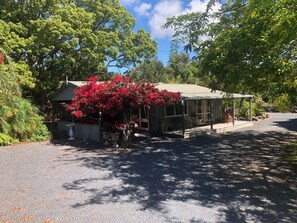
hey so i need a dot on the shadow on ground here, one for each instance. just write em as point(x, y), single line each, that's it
point(290, 124)
point(243, 176)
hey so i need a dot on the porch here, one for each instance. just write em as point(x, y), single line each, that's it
point(216, 128)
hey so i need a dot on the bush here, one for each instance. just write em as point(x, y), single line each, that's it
point(41, 134)
point(282, 103)
point(244, 110)
point(19, 119)
point(6, 140)
point(257, 108)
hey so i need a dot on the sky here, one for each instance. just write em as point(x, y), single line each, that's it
point(152, 14)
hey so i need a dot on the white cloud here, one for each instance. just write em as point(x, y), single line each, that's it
point(201, 6)
point(129, 2)
point(143, 9)
point(196, 6)
point(162, 10)
point(168, 8)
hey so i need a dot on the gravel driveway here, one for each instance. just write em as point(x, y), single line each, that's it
point(235, 177)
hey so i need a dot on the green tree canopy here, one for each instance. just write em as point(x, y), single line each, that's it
point(149, 70)
point(56, 38)
point(247, 46)
point(181, 69)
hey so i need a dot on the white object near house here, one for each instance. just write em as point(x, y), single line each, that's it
point(71, 134)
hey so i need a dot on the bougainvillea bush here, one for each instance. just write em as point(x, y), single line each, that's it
point(117, 98)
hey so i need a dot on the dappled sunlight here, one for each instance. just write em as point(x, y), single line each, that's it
point(232, 178)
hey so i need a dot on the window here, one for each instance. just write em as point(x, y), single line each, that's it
point(141, 117)
point(176, 109)
point(170, 110)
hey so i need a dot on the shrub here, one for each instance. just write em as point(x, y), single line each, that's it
point(19, 119)
point(41, 134)
point(6, 140)
point(282, 103)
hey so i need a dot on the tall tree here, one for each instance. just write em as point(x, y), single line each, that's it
point(247, 46)
point(178, 62)
point(149, 71)
point(181, 69)
point(71, 37)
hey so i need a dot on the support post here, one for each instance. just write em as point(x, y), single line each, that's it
point(233, 118)
point(251, 116)
point(184, 121)
point(211, 114)
point(99, 125)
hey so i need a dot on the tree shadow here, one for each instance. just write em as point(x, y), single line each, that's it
point(290, 124)
point(239, 177)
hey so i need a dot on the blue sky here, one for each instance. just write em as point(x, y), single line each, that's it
point(152, 14)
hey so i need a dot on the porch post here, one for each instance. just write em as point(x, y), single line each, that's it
point(99, 125)
point(211, 114)
point(251, 116)
point(184, 121)
point(233, 102)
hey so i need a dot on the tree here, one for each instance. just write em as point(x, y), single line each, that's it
point(149, 70)
point(178, 62)
point(246, 46)
point(181, 69)
point(70, 37)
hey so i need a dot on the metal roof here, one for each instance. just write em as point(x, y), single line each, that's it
point(192, 91)
point(188, 91)
point(77, 83)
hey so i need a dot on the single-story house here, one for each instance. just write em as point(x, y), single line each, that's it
point(201, 109)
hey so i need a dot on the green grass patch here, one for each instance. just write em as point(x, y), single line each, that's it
point(291, 153)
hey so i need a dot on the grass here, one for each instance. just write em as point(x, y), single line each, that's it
point(291, 153)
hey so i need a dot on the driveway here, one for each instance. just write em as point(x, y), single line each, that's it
point(235, 177)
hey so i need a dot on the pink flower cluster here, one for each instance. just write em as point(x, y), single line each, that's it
point(117, 96)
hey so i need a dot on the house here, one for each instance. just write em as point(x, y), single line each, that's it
point(200, 110)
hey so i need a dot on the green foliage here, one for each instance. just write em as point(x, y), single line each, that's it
point(178, 62)
point(40, 134)
point(150, 70)
point(282, 103)
point(6, 140)
point(181, 69)
point(75, 38)
point(242, 106)
point(19, 119)
point(251, 46)
point(244, 110)
point(258, 106)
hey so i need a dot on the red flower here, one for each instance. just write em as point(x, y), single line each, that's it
point(77, 114)
point(117, 96)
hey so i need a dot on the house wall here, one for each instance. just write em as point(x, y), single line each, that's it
point(155, 115)
point(158, 122)
point(198, 114)
point(218, 110)
point(66, 94)
point(81, 130)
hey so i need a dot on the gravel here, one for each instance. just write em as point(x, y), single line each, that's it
point(234, 177)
